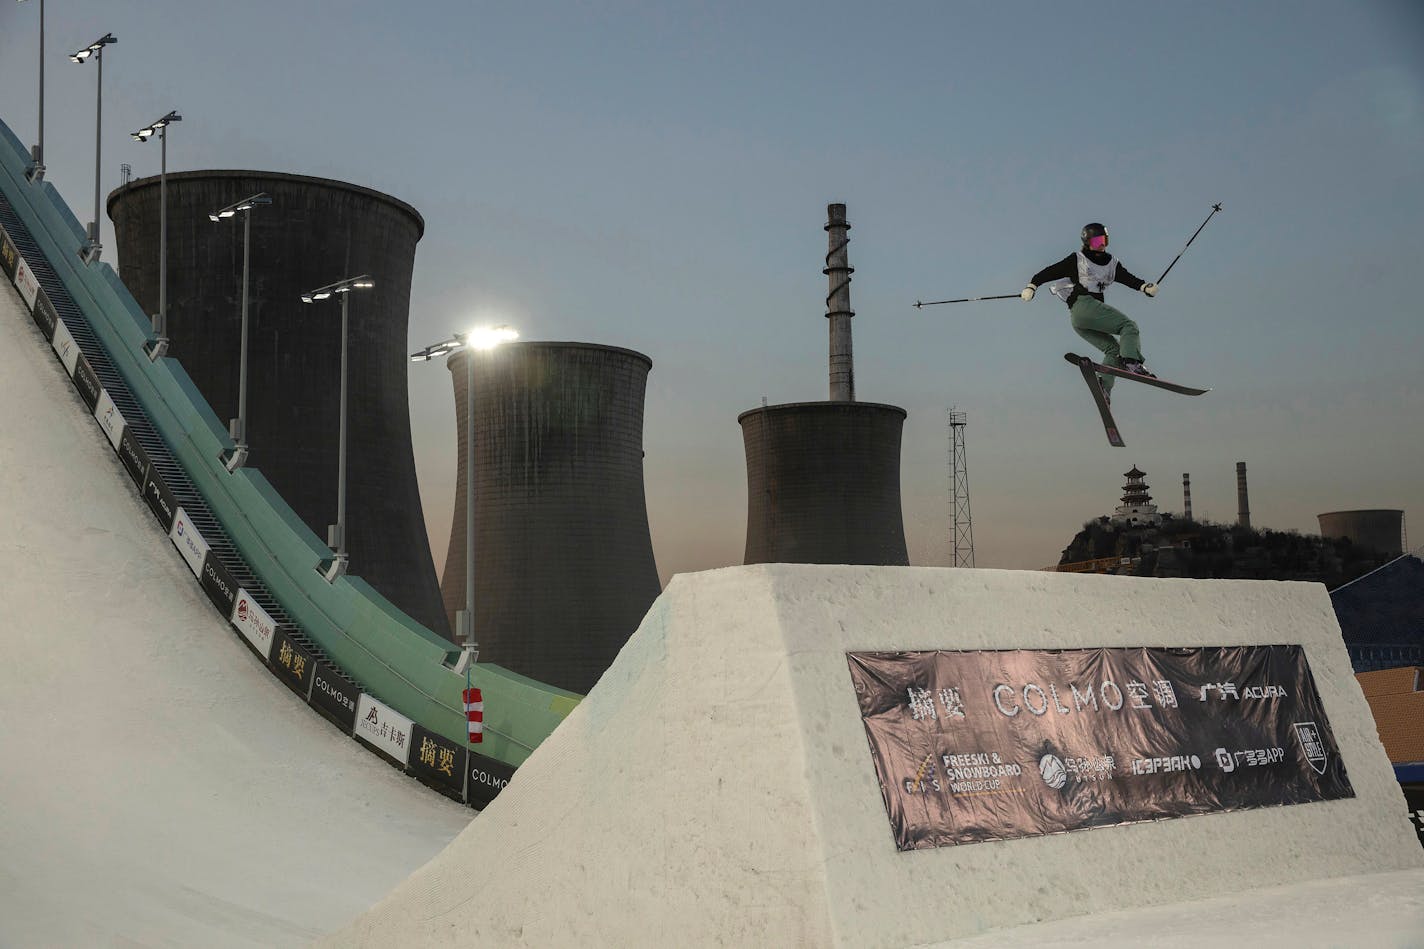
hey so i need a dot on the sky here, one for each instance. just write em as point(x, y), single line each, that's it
point(655, 176)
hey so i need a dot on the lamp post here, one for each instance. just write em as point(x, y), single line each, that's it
point(91, 249)
point(469, 342)
point(160, 321)
point(37, 169)
point(238, 426)
point(336, 535)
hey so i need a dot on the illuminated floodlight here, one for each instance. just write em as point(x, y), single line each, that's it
point(488, 337)
point(363, 282)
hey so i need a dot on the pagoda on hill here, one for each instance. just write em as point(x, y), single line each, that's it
point(1136, 509)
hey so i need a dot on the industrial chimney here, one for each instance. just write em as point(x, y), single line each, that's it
point(823, 478)
point(1187, 496)
point(1243, 508)
point(314, 232)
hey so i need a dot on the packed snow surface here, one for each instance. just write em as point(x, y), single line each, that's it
point(716, 788)
point(158, 786)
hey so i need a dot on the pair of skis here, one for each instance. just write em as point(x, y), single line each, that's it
point(1091, 370)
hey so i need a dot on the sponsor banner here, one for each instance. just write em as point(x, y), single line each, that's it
point(9, 256)
point(189, 542)
point(293, 663)
point(111, 420)
point(218, 583)
point(131, 453)
point(160, 499)
point(46, 317)
point(254, 623)
point(383, 728)
point(486, 778)
point(26, 283)
point(438, 762)
point(65, 347)
point(1414, 797)
point(998, 744)
point(87, 382)
point(334, 697)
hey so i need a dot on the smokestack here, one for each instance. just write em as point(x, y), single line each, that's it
point(1243, 509)
point(838, 311)
point(1187, 496)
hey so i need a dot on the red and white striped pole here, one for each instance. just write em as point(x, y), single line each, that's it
point(474, 710)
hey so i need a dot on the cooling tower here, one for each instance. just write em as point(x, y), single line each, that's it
point(564, 567)
point(314, 232)
point(1380, 529)
point(823, 483)
point(823, 478)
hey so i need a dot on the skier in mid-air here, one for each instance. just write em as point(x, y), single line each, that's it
point(1079, 280)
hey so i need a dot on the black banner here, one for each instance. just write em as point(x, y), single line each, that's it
point(487, 778)
point(160, 500)
point(437, 761)
point(9, 256)
point(133, 456)
point(218, 583)
point(292, 663)
point(333, 696)
point(45, 315)
point(992, 745)
point(86, 382)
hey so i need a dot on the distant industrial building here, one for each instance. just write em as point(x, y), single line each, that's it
point(315, 231)
point(1380, 529)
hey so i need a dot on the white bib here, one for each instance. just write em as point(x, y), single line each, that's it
point(1092, 277)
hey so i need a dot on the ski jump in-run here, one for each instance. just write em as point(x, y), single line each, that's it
point(1080, 280)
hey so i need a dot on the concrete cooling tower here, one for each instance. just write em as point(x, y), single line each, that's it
point(823, 483)
point(564, 567)
point(313, 233)
point(1380, 529)
point(823, 478)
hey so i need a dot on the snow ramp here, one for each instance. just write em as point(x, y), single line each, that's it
point(719, 785)
point(159, 786)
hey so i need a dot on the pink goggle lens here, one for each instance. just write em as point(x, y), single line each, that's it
point(1097, 242)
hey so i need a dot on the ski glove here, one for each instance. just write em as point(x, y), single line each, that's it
point(1150, 289)
point(1027, 293)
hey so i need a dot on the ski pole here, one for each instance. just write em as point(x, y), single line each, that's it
point(1214, 209)
point(1006, 296)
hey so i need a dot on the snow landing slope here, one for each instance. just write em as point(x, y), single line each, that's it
point(157, 785)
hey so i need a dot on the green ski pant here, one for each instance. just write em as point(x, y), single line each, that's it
point(1108, 329)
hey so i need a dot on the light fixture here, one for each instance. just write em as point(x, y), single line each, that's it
point(92, 48)
point(336, 533)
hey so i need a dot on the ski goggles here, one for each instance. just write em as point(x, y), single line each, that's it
point(1097, 242)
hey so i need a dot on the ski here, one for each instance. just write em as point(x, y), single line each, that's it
point(1124, 374)
point(1090, 376)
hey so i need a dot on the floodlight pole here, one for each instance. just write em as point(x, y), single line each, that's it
point(336, 536)
point(91, 250)
point(465, 619)
point(159, 347)
point(341, 454)
point(36, 171)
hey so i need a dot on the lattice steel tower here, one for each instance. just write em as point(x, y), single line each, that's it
point(959, 492)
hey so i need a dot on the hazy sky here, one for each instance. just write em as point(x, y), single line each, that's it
point(655, 176)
